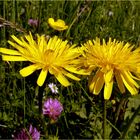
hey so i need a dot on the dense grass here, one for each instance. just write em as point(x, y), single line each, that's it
point(82, 116)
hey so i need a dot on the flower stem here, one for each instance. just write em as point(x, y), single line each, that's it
point(40, 97)
point(24, 102)
point(130, 122)
point(104, 119)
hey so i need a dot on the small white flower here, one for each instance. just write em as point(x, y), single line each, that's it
point(1, 25)
point(110, 13)
point(53, 88)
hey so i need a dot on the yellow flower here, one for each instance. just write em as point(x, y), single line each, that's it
point(57, 25)
point(53, 55)
point(113, 61)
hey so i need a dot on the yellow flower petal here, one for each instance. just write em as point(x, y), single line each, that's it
point(130, 78)
point(108, 90)
point(108, 84)
point(17, 40)
point(98, 84)
point(91, 83)
point(77, 71)
point(28, 70)
point(98, 78)
point(134, 77)
point(120, 82)
point(128, 85)
point(13, 58)
point(60, 22)
point(41, 43)
point(9, 51)
point(70, 75)
point(108, 76)
point(61, 78)
point(51, 21)
point(19, 48)
point(42, 77)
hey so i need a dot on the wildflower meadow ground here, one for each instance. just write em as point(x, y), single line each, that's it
point(69, 69)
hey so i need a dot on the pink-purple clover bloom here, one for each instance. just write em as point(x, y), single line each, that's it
point(52, 108)
point(27, 135)
point(33, 22)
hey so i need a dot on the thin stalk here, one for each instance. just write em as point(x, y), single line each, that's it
point(13, 11)
point(4, 7)
point(71, 25)
point(39, 15)
point(104, 119)
point(130, 123)
point(24, 102)
point(66, 122)
point(76, 18)
point(85, 93)
point(89, 13)
point(113, 126)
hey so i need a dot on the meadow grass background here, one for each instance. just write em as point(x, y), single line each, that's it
point(82, 116)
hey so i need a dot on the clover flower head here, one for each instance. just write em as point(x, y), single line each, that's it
point(113, 61)
point(52, 55)
point(58, 24)
point(27, 135)
point(33, 22)
point(53, 88)
point(52, 108)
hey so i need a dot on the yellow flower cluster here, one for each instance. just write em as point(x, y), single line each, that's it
point(105, 62)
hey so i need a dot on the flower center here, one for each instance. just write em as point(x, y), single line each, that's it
point(48, 58)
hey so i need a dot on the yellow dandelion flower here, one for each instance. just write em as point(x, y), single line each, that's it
point(57, 25)
point(114, 61)
point(53, 55)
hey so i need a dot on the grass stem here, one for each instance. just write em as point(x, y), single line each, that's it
point(4, 8)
